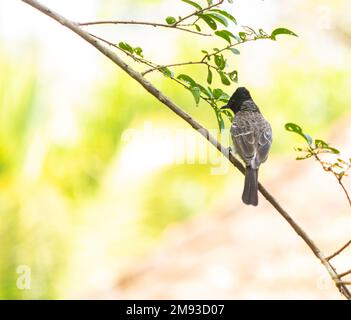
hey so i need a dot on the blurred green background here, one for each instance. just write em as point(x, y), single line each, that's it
point(78, 198)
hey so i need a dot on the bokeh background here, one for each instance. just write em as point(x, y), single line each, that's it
point(97, 200)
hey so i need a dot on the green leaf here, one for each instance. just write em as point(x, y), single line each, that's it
point(281, 31)
point(323, 145)
point(263, 33)
point(233, 76)
point(224, 98)
point(138, 51)
point(211, 23)
point(229, 34)
point(220, 120)
point(220, 61)
point(219, 94)
point(225, 13)
point(219, 18)
point(342, 161)
point(223, 35)
point(205, 91)
point(194, 4)
point(224, 78)
point(242, 35)
point(197, 27)
point(196, 94)
point(292, 127)
point(308, 155)
point(209, 2)
point(333, 150)
point(209, 76)
point(170, 20)
point(210, 92)
point(229, 113)
point(188, 79)
point(235, 51)
point(125, 46)
point(230, 1)
point(167, 72)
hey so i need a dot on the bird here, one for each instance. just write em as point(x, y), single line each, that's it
point(252, 139)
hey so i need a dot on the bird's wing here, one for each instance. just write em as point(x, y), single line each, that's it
point(264, 143)
point(243, 134)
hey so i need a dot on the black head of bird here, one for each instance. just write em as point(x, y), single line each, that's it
point(240, 95)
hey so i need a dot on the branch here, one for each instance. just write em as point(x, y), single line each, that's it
point(153, 65)
point(202, 61)
point(153, 24)
point(339, 251)
point(177, 25)
point(139, 59)
point(180, 64)
point(344, 273)
point(198, 127)
point(345, 190)
point(233, 45)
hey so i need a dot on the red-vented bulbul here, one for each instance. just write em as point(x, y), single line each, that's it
point(252, 139)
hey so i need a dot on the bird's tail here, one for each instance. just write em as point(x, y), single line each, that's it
point(250, 195)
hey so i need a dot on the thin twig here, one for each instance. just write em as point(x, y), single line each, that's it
point(337, 177)
point(148, 63)
point(202, 61)
point(180, 64)
point(344, 273)
point(142, 60)
point(198, 127)
point(191, 24)
point(221, 50)
point(153, 24)
point(231, 46)
point(345, 190)
point(339, 251)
